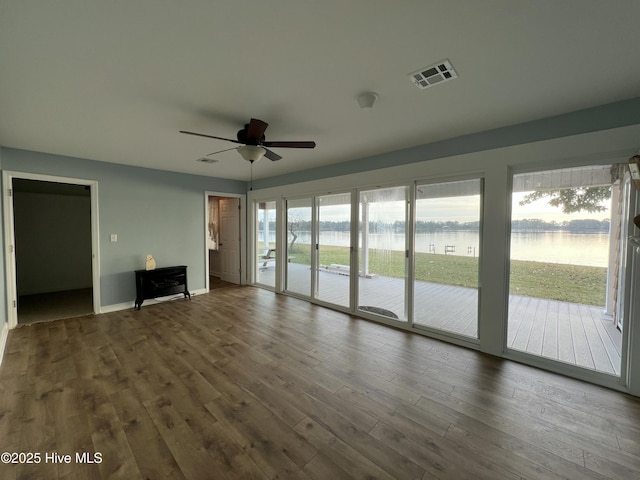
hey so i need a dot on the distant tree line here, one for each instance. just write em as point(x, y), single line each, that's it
point(574, 226)
point(527, 225)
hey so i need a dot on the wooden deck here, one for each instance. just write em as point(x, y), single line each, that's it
point(575, 334)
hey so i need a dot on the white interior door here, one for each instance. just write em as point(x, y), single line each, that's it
point(230, 240)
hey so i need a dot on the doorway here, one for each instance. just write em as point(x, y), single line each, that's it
point(318, 248)
point(383, 252)
point(266, 244)
point(447, 239)
point(50, 231)
point(568, 264)
point(224, 240)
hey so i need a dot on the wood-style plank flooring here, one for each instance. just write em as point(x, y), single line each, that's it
point(566, 332)
point(242, 383)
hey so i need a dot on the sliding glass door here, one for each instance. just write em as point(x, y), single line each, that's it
point(383, 252)
point(447, 249)
point(333, 246)
point(568, 263)
point(266, 243)
point(299, 246)
point(319, 248)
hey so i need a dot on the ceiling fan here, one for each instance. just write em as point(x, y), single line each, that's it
point(253, 144)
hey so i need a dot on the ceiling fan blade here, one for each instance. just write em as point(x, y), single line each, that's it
point(289, 144)
point(273, 156)
point(255, 131)
point(221, 151)
point(209, 136)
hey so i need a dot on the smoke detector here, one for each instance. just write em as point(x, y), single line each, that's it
point(367, 99)
point(433, 74)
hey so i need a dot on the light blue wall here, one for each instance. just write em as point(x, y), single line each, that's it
point(151, 211)
point(603, 117)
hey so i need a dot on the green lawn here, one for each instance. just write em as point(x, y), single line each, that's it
point(567, 283)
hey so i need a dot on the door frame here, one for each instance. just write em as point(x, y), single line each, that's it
point(9, 237)
point(243, 234)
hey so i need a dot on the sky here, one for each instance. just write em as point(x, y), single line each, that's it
point(460, 209)
point(542, 210)
point(465, 209)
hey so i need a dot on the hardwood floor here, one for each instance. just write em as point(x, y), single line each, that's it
point(216, 282)
point(241, 383)
point(566, 332)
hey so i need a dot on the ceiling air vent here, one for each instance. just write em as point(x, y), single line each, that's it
point(437, 73)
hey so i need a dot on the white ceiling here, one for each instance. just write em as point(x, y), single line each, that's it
point(115, 81)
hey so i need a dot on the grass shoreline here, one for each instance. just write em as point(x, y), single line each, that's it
point(553, 281)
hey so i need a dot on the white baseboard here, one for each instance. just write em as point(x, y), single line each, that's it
point(116, 307)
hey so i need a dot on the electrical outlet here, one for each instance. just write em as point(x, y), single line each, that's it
point(114, 237)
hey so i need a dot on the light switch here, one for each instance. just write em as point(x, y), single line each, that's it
point(114, 237)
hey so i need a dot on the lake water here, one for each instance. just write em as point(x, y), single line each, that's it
point(551, 247)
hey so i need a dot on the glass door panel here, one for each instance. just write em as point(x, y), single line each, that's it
point(299, 246)
point(565, 228)
point(382, 252)
point(334, 248)
point(447, 249)
point(266, 243)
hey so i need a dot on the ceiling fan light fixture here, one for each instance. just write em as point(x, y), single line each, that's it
point(251, 153)
point(367, 100)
